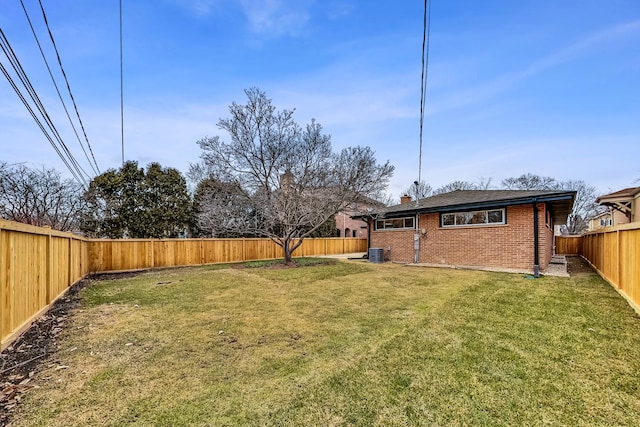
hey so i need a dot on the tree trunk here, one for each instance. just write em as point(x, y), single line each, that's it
point(286, 248)
point(289, 245)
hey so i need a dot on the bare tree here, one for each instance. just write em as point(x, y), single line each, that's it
point(484, 184)
point(531, 182)
point(40, 197)
point(419, 190)
point(281, 181)
point(584, 205)
point(455, 185)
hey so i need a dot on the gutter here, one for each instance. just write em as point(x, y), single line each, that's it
point(477, 205)
point(536, 243)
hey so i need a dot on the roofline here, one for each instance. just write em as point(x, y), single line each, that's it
point(485, 204)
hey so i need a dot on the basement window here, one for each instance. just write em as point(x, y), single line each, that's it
point(473, 218)
point(395, 223)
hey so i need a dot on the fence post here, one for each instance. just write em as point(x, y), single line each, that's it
point(3, 282)
point(244, 257)
point(618, 261)
point(49, 271)
point(69, 272)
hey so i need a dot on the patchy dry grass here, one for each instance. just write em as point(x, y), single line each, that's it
point(344, 344)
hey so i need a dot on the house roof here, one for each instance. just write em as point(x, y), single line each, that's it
point(605, 213)
point(561, 202)
point(627, 193)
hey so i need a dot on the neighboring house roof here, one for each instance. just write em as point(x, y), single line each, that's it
point(627, 193)
point(603, 214)
point(623, 201)
point(561, 202)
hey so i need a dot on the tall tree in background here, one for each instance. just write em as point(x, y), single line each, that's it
point(455, 185)
point(530, 182)
point(285, 181)
point(210, 207)
point(40, 197)
point(584, 206)
point(130, 202)
point(419, 190)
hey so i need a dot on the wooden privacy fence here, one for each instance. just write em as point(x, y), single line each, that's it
point(615, 253)
point(569, 245)
point(37, 265)
point(122, 255)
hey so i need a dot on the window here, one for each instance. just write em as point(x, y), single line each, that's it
point(474, 218)
point(395, 223)
point(606, 222)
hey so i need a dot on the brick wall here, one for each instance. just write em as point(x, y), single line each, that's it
point(504, 246)
point(344, 222)
point(397, 245)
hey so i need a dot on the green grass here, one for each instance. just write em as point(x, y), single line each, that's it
point(345, 343)
point(301, 262)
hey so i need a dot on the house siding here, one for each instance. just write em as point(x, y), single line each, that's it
point(501, 246)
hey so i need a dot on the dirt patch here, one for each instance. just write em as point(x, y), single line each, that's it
point(577, 265)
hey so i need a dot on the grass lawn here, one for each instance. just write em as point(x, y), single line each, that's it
point(343, 344)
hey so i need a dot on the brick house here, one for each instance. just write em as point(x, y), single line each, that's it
point(473, 228)
point(349, 221)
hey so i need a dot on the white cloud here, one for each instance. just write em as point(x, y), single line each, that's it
point(277, 17)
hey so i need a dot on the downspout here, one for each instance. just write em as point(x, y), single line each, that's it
point(536, 255)
point(370, 224)
point(416, 240)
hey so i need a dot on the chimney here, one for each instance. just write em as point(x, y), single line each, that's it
point(286, 180)
point(405, 198)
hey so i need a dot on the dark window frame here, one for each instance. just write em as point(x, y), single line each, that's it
point(477, 218)
point(393, 223)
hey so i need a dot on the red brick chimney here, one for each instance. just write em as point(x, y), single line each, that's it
point(405, 198)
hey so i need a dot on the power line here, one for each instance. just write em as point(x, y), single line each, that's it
point(96, 169)
point(53, 144)
point(426, 35)
point(17, 67)
point(44, 16)
point(121, 88)
point(70, 161)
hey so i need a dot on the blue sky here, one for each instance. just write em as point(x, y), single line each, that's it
point(546, 87)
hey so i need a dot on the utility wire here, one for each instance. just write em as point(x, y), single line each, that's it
point(71, 163)
point(425, 68)
point(53, 144)
point(121, 89)
point(15, 63)
point(96, 169)
point(44, 15)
